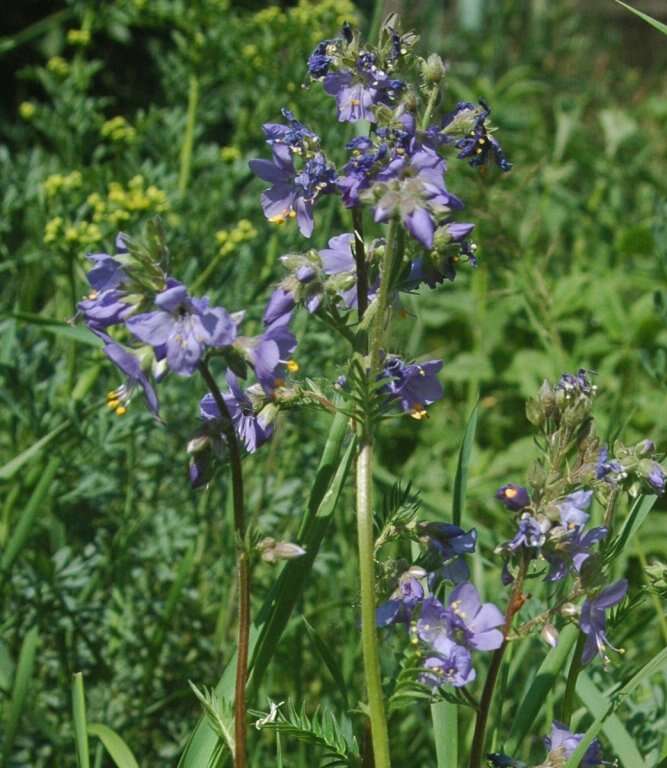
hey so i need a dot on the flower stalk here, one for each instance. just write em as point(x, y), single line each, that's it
point(242, 564)
point(572, 675)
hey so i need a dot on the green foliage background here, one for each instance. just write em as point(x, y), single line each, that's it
point(118, 567)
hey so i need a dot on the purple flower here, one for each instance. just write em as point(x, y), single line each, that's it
point(654, 474)
point(269, 353)
point(436, 267)
point(569, 548)
point(593, 620)
point(413, 386)
point(280, 305)
point(185, 325)
point(562, 744)
point(465, 620)
point(338, 259)
point(448, 540)
point(365, 161)
point(478, 145)
point(450, 664)
point(531, 533)
point(293, 192)
point(513, 496)
point(573, 508)
point(415, 189)
point(400, 606)
point(576, 384)
point(359, 91)
point(606, 466)
point(130, 365)
point(249, 427)
point(106, 304)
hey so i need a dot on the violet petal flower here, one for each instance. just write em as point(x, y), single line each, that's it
point(513, 496)
point(400, 607)
point(573, 508)
point(413, 386)
point(187, 326)
point(280, 305)
point(451, 664)
point(562, 743)
point(129, 364)
point(593, 619)
point(270, 352)
point(480, 620)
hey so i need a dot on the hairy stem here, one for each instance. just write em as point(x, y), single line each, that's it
point(240, 754)
point(515, 603)
point(430, 106)
point(365, 533)
point(572, 675)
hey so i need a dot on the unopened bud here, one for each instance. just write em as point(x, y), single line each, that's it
point(550, 635)
point(569, 610)
point(273, 550)
point(433, 69)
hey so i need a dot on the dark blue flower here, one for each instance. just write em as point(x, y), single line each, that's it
point(513, 496)
point(605, 467)
point(568, 549)
point(576, 384)
point(185, 326)
point(449, 540)
point(366, 159)
point(433, 268)
point(250, 428)
point(531, 533)
point(413, 386)
point(280, 305)
point(593, 620)
point(401, 605)
point(479, 145)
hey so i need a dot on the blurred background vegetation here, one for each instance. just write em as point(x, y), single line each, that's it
point(123, 110)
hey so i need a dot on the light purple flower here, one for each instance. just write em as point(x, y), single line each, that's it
point(186, 326)
point(593, 620)
point(562, 744)
point(269, 353)
point(130, 365)
point(531, 533)
point(280, 305)
point(569, 550)
point(476, 624)
point(451, 664)
point(400, 606)
point(572, 509)
point(413, 386)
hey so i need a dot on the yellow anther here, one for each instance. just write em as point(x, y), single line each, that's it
point(510, 493)
point(292, 366)
point(419, 413)
point(355, 102)
point(482, 141)
point(478, 151)
point(93, 295)
point(113, 403)
point(292, 214)
point(121, 410)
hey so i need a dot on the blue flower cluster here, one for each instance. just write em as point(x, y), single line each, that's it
point(446, 634)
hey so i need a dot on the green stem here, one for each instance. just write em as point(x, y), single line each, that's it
point(369, 644)
point(365, 533)
point(430, 106)
point(516, 600)
point(240, 728)
point(188, 137)
point(572, 675)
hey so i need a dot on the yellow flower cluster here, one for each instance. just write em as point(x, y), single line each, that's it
point(82, 233)
point(78, 37)
point(56, 183)
point(230, 239)
point(119, 130)
point(27, 110)
point(121, 202)
point(229, 154)
point(58, 66)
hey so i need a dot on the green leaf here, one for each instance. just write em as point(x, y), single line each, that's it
point(621, 742)
point(444, 715)
point(649, 19)
point(24, 671)
point(461, 479)
point(79, 716)
point(12, 467)
point(545, 679)
point(118, 750)
point(328, 658)
point(653, 666)
point(639, 512)
point(24, 526)
point(59, 328)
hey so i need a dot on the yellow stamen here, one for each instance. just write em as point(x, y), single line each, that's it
point(292, 366)
point(478, 151)
point(113, 404)
point(92, 295)
point(510, 493)
point(355, 102)
point(419, 413)
point(279, 218)
point(121, 410)
point(292, 214)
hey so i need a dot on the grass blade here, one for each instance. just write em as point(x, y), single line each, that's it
point(12, 467)
point(24, 670)
point(23, 528)
point(639, 512)
point(79, 715)
point(445, 715)
point(546, 677)
point(60, 328)
point(328, 658)
point(118, 750)
point(648, 19)
point(461, 479)
point(653, 666)
point(622, 743)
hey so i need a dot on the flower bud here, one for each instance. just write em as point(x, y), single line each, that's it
point(433, 69)
point(272, 550)
point(550, 635)
point(569, 610)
